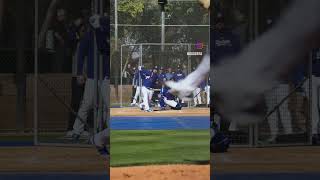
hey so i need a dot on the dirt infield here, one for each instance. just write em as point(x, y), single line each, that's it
point(162, 172)
point(134, 111)
point(270, 160)
point(51, 159)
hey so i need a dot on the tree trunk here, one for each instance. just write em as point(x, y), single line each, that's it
point(20, 64)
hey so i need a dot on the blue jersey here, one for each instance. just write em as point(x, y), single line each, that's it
point(148, 78)
point(86, 49)
point(224, 44)
point(169, 76)
point(162, 76)
point(164, 92)
point(178, 76)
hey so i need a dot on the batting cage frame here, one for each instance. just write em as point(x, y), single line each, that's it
point(161, 50)
point(97, 8)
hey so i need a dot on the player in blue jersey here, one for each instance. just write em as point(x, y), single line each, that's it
point(162, 75)
point(178, 75)
point(168, 99)
point(99, 29)
point(149, 78)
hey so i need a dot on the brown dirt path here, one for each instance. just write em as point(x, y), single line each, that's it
point(162, 172)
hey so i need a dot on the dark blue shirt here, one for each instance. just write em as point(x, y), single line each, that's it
point(178, 76)
point(225, 44)
point(149, 78)
point(165, 93)
point(86, 49)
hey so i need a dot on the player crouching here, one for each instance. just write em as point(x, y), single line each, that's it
point(219, 143)
point(168, 99)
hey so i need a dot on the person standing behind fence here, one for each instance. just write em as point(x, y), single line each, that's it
point(136, 87)
point(77, 87)
point(207, 90)
point(99, 28)
point(315, 95)
point(61, 38)
point(169, 74)
point(297, 99)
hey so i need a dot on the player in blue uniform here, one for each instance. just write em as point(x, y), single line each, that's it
point(168, 99)
point(149, 78)
point(225, 42)
point(178, 75)
point(162, 75)
point(100, 29)
point(315, 95)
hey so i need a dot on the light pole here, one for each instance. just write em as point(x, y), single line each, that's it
point(162, 4)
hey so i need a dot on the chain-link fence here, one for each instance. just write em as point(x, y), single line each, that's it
point(72, 79)
point(165, 60)
point(184, 22)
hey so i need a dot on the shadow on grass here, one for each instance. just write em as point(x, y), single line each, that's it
point(197, 162)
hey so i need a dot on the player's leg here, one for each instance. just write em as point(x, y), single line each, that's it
point(102, 115)
point(208, 95)
point(199, 95)
point(271, 102)
point(195, 97)
point(170, 103)
point(162, 103)
point(101, 140)
point(145, 94)
point(315, 104)
point(150, 94)
point(285, 114)
point(86, 104)
point(136, 95)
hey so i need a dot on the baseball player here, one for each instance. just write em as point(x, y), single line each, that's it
point(136, 84)
point(168, 99)
point(162, 75)
point(315, 95)
point(100, 29)
point(178, 75)
point(207, 90)
point(149, 79)
point(197, 96)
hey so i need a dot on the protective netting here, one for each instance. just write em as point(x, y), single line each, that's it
point(184, 22)
point(168, 59)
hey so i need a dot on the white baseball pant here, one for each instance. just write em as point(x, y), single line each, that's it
point(147, 95)
point(87, 103)
point(315, 106)
point(137, 95)
point(273, 98)
point(171, 103)
point(208, 94)
point(197, 96)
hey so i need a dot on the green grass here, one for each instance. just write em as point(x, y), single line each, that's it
point(145, 147)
